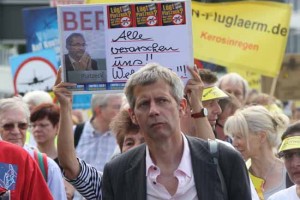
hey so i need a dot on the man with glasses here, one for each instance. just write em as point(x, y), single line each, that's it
point(14, 121)
point(77, 58)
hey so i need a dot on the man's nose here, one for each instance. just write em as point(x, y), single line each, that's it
point(217, 109)
point(296, 160)
point(154, 110)
point(15, 130)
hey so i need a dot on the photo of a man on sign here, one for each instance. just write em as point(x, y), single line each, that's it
point(78, 58)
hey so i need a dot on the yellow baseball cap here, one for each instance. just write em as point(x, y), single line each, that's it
point(289, 143)
point(213, 93)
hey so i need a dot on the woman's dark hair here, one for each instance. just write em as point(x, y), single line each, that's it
point(293, 128)
point(49, 110)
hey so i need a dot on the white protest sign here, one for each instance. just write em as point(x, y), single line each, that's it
point(135, 34)
point(125, 57)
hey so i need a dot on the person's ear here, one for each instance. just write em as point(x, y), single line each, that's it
point(182, 107)
point(132, 116)
point(263, 136)
point(97, 110)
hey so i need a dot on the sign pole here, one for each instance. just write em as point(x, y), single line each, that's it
point(273, 86)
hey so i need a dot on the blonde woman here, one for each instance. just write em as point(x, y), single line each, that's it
point(256, 132)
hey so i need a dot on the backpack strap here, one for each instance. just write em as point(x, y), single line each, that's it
point(214, 151)
point(78, 133)
point(41, 159)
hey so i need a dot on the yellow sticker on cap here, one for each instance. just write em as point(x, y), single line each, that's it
point(290, 143)
point(213, 93)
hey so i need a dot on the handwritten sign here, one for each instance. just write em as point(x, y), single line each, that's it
point(132, 36)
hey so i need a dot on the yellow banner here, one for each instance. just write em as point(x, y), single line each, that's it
point(247, 35)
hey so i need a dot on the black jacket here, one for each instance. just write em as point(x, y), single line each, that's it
point(124, 177)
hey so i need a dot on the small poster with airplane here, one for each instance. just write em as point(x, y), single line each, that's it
point(34, 71)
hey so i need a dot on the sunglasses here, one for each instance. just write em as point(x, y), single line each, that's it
point(11, 126)
point(289, 155)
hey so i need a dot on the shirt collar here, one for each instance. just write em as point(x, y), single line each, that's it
point(185, 164)
point(91, 131)
point(71, 59)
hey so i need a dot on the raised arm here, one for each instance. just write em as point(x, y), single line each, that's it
point(65, 143)
point(193, 91)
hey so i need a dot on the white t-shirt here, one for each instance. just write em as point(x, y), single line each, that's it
point(289, 194)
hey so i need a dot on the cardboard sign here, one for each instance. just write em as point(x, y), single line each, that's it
point(114, 41)
point(287, 84)
point(249, 35)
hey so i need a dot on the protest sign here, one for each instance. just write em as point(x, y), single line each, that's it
point(41, 30)
point(111, 42)
point(287, 83)
point(34, 71)
point(250, 35)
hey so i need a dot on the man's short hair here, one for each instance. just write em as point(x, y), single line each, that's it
point(234, 78)
point(208, 77)
point(70, 37)
point(101, 100)
point(14, 103)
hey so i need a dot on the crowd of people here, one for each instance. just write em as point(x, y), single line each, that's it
point(208, 139)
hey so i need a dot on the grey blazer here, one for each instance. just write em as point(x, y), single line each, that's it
point(124, 178)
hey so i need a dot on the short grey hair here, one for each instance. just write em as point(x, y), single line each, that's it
point(254, 119)
point(14, 103)
point(150, 74)
point(101, 100)
point(37, 97)
point(234, 78)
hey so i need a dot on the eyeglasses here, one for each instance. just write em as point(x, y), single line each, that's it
point(289, 155)
point(11, 126)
